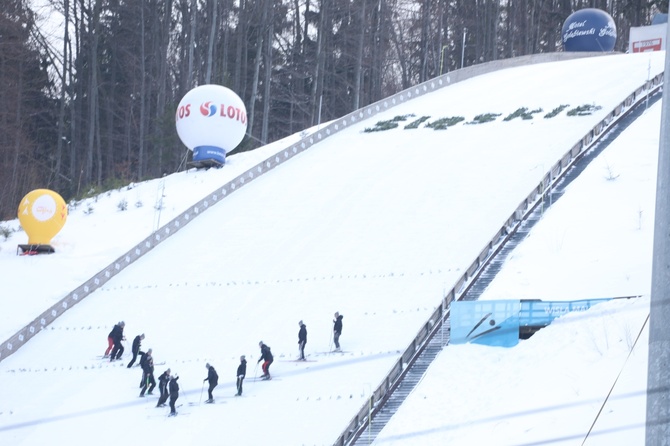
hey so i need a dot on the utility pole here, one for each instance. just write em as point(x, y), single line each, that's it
point(442, 57)
point(658, 373)
point(465, 32)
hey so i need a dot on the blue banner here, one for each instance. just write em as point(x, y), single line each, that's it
point(491, 322)
point(537, 313)
point(498, 322)
point(205, 153)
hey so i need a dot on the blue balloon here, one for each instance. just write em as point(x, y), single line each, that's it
point(589, 29)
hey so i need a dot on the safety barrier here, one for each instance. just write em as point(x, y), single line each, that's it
point(360, 421)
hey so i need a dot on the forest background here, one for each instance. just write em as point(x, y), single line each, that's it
point(89, 104)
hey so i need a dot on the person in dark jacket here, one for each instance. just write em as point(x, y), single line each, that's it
point(137, 342)
point(213, 379)
point(143, 361)
point(163, 381)
point(302, 340)
point(337, 331)
point(174, 394)
point(148, 369)
point(241, 373)
point(266, 357)
point(117, 336)
point(110, 341)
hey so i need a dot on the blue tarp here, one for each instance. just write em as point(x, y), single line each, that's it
point(537, 313)
point(497, 322)
point(492, 322)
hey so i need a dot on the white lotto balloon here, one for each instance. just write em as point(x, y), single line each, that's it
point(211, 120)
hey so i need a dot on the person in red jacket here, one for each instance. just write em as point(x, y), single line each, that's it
point(266, 357)
point(110, 338)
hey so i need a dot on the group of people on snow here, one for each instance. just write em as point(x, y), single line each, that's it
point(167, 383)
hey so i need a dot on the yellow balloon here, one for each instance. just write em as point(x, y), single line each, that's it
point(42, 214)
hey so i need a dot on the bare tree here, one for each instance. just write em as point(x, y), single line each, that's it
point(269, 19)
point(210, 43)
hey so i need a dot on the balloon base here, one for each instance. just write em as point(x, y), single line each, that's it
point(205, 164)
point(31, 250)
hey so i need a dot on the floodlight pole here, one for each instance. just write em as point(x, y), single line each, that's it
point(442, 57)
point(465, 31)
point(658, 372)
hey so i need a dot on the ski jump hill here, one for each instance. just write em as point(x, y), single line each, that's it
point(243, 262)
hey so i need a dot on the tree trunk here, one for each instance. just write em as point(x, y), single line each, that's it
point(226, 39)
point(191, 44)
point(63, 92)
point(16, 130)
point(240, 45)
point(257, 69)
point(269, 19)
point(210, 45)
point(318, 77)
point(143, 93)
point(94, 28)
point(358, 64)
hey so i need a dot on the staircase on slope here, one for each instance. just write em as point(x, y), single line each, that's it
point(413, 376)
point(494, 266)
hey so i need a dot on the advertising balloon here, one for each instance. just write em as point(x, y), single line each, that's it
point(589, 29)
point(42, 214)
point(211, 120)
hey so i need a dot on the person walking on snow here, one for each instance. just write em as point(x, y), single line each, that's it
point(241, 373)
point(148, 368)
point(213, 379)
point(117, 336)
point(137, 342)
point(337, 331)
point(143, 361)
point(174, 394)
point(266, 357)
point(110, 340)
point(302, 340)
point(163, 381)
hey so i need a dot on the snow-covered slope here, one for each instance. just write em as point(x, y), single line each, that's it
point(373, 225)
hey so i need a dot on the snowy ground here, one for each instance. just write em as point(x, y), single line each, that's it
point(375, 226)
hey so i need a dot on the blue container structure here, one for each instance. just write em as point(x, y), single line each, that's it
point(589, 29)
